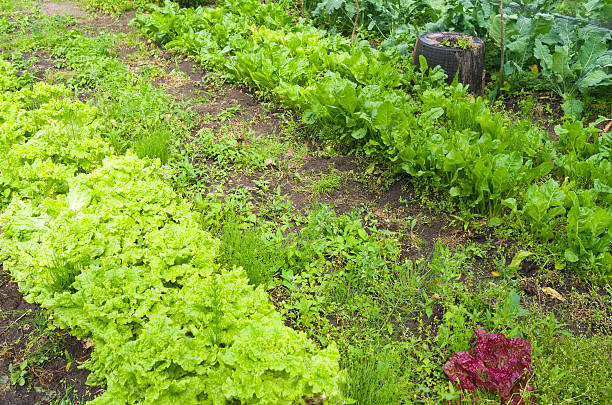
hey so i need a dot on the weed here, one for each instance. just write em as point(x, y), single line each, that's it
point(248, 248)
point(18, 373)
point(215, 80)
point(324, 183)
point(572, 369)
point(374, 375)
point(228, 113)
point(66, 396)
point(278, 207)
point(378, 177)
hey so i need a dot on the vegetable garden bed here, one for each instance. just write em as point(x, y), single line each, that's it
point(375, 219)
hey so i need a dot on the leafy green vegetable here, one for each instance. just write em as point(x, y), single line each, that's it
point(119, 258)
point(429, 130)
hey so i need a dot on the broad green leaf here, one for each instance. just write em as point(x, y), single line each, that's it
point(593, 78)
point(384, 116)
point(571, 256)
point(542, 53)
point(539, 171)
point(422, 63)
point(572, 107)
point(495, 28)
point(431, 115)
point(345, 94)
point(510, 203)
point(560, 62)
point(494, 222)
point(359, 133)
point(588, 54)
point(518, 258)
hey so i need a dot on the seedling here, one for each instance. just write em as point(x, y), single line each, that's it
point(18, 372)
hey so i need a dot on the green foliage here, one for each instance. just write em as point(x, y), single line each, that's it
point(118, 6)
point(118, 256)
point(46, 139)
point(139, 116)
point(396, 330)
point(571, 60)
point(248, 247)
point(133, 113)
point(325, 182)
point(379, 16)
point(366, 251)
point(432, 132)
point(373, 376)
point(395, 325)
point(578, 377)
point(195, 3)
point(149, 264)
point(462, 43)
point(18, 373)
point(573, 54)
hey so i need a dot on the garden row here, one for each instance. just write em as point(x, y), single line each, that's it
point(118, 257)
point(553, 44)
point(558, 193)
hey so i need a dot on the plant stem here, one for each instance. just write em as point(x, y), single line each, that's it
point(355, 25)
point(501, 65)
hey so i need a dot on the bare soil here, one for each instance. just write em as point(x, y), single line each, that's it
point(62, 9)
point(23, 335)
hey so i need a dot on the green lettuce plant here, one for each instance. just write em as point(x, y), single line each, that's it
point(118, 257)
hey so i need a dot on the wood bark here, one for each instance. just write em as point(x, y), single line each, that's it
point(471, 69)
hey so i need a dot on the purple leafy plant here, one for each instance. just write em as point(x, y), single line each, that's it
point(495, 363)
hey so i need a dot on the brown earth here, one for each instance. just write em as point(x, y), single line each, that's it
point(62, 9)
point(24, 334)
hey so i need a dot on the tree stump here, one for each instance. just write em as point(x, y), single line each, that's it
point(458, 54)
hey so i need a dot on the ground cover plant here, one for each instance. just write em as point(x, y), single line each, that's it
point(356, 95)
point(76, 247)
point(350, 249)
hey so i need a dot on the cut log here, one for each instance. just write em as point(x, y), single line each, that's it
point(458, 54)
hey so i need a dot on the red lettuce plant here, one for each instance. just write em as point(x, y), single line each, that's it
point(494, 363)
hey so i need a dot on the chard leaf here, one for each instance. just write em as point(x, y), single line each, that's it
point(359, 133)
point(431, 115)
point(383, 117)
